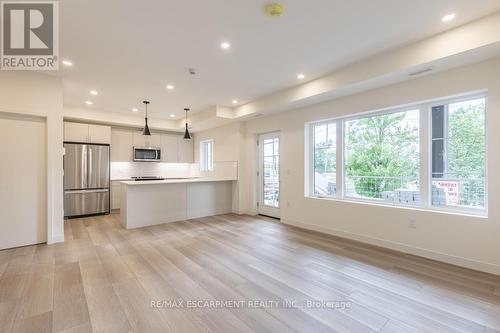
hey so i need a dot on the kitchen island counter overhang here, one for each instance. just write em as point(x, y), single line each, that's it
point(146, 203)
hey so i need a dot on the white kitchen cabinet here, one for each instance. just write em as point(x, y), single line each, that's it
point(169, 148)
point(99, 134)
point(85, 133)
point(186, 151)
point(122, 143)
point(115, 195)
point(153, 140)
point(76, 132)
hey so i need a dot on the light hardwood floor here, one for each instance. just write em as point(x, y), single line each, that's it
point(104, 278)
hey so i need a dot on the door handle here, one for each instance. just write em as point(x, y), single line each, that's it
point(90, 168)
point(85, 168)
point(86, 191)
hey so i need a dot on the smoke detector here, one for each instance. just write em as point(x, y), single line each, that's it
point(192, 71)
point(274, 9)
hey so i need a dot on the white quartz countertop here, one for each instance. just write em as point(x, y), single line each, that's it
point(174, 181)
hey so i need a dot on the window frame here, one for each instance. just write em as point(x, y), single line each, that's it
point(206, 164)
point(450, 209)
point(312, 156)
point(425, 146)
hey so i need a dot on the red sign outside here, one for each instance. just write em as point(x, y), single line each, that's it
point(452, 188)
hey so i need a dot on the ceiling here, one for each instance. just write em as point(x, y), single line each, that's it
point(130, 50)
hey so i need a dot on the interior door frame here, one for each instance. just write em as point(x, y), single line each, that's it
point(261, 208)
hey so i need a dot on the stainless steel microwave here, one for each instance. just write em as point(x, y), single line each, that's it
point(147, 154)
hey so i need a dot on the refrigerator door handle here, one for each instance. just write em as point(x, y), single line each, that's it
point(86, 191)
point(85, 168)
point(89, 174)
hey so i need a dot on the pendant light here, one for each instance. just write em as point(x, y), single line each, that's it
point(187, 136)
point(146, 131)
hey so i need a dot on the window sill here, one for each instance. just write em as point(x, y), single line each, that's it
point(477, 214)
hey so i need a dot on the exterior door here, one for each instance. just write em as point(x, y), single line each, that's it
point(269, 175)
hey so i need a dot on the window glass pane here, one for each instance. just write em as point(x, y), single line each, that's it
point(461, 180)
point(206, 155)
point(268, 147)
point(325, 159)
point(271, 172)
point(382, 158)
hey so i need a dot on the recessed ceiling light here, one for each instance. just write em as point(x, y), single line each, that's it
point(67, 63)
point(170, 87)
point(225, 45)
point(94, 92)
point(448, 17)
point(88, 102)
point(172, 116)
point(300, 76)
point(135, 110)
point(235, 101)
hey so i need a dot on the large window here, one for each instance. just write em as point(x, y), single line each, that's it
point(325, 159)
point(458, 154)
point(382, 161)
point(207, 155)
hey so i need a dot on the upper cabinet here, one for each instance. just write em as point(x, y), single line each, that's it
point(76, 132)
point(153, 140)
point(186, 150)
point(174, 149)
point(99, 134)
point(169, 148)
point(121, 145)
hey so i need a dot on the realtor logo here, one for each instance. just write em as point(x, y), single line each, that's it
point(29, 35)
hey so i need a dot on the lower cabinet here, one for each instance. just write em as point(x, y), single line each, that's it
point(115, 195)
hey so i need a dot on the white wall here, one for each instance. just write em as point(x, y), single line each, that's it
point(468, 241)
point(40, 95)
point(228, 141)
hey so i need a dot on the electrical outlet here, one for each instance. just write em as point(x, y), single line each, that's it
point(412, 224)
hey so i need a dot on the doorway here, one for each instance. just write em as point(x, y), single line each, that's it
point(23, 173)
point(269, 174)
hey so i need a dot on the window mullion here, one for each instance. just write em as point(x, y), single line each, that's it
point(340, 159)
point(425, 156)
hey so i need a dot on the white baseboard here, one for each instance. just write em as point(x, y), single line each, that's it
point(446, 258)
point(245, 212)
point(56, 239)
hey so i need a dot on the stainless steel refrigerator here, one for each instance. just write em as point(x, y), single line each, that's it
point(86, 179)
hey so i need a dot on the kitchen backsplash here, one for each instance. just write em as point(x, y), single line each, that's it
point(126, 170)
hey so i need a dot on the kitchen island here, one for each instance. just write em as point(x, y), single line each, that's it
point(147, 203)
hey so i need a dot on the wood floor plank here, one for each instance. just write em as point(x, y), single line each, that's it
point(293, 317)
point(8, 313)
point(67, 281)
point(137, 307)
point(70, 312)
point(105, 310)
point(180, 319)
point(41, 323)
point(257, 320)
point(38, 293)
